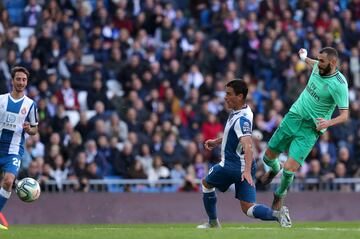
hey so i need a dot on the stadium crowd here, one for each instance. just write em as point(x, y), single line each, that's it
point(154, 73)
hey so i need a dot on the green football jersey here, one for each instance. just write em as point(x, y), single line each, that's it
point(321, 95)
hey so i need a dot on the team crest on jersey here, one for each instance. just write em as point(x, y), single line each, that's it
point(23, 111)
point(246, 127)
point(325, 87)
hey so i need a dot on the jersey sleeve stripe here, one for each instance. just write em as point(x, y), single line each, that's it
point(338, 77)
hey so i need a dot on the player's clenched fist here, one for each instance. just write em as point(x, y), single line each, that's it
point(26, 126)
point(302, 54)
point(210, 144)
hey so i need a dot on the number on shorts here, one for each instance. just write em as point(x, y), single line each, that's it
point(210, 170)
point(16, 162)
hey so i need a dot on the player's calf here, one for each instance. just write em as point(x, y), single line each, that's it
point(274, 165)
point(269, 176)
point(262, 212)
point(209, 201)
point(277, 202)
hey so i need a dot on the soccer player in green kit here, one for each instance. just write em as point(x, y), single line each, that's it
point(308, 118)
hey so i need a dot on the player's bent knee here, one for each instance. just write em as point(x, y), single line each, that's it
point(204, 183)
point(291, 165)
point(245, 206)
point(271, 154)
point(206, 188)
point(8, 181)
point(7, 184)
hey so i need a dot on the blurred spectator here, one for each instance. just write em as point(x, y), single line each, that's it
point(169, 154)
point(145, 158)
point(122, 164)
point(32, 13)
point(199, 168)
point(136, 170)
point(78, 171)
point(177, 172)
point(98, 130)
point(32, 171)
point(114, 65)
point(83, 126)
point(74, 147)
point(132, 121)
point(327, 168)
point(59, 118)
point(59, 172)
point(341, 172)
point(38, 148)
point(158, 170)
point(99, 160)
point(326, 146)
point(347, 160)
point(98, 93)
point(116, 127)
point(54, 140)
point(314, 173)
point(100, 114)
point(211, 127)
point(67, 96)
point(114, 155)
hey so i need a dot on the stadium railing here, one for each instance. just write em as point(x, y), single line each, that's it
point(173, 185)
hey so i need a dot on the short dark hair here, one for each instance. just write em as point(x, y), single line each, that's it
point(239, 86)
point(331, 52)
point(19, 69)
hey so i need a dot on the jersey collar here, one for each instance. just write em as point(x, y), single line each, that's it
point(335, 73)
point(16, 100)
point(237, 111)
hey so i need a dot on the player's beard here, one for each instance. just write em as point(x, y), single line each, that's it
point(325, 71)
point(19, 89)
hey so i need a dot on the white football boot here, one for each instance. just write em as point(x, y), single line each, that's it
point(211, 224)
point(284, 217)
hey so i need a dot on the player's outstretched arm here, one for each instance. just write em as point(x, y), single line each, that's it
point(307, 60)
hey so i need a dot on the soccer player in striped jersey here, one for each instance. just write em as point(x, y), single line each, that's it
point(237, 164)
point(308, 118)
point(18, 115)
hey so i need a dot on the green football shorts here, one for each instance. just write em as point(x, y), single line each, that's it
point(295, 135)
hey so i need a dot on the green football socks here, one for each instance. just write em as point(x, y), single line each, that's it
point(286, 180)
point(272, 163)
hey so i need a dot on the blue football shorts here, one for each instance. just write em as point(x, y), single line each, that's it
point(10, 163)
point(222, 177)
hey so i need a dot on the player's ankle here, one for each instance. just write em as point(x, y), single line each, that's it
point(214, 222)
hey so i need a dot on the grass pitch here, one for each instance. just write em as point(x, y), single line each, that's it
point(313, 230)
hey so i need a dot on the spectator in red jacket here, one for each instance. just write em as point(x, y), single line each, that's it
point(211, 127)
point(67, 96)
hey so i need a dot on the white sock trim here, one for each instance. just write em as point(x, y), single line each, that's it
point(250, 211)
point(4, 193)
point(207, 190)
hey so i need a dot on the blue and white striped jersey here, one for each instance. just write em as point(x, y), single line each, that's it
point(13, 114)
point(239, 124)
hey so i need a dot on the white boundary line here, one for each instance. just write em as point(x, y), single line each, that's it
point(299, 228)
point(245, 228)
